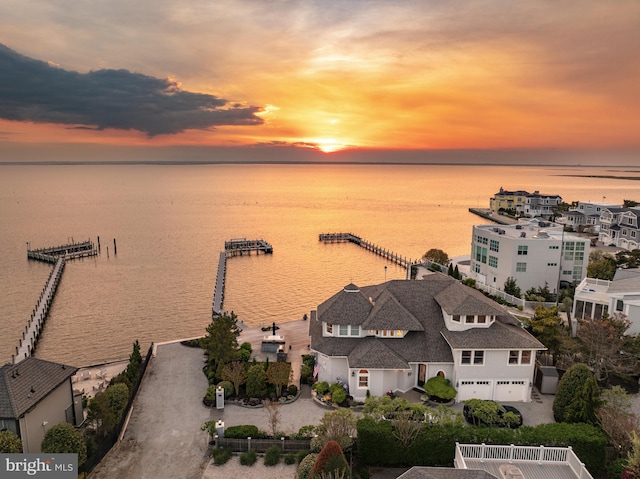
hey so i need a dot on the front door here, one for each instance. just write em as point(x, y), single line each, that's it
point(422, 374)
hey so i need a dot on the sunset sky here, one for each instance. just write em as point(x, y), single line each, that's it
point(294, 80)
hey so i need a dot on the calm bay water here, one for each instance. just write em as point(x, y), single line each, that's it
point(170, 223)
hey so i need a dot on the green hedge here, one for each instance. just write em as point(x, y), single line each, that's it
point(243, 432)
point(435, 446)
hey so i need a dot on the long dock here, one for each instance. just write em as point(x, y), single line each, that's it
point(233, 247)
point(241, 246)
point(31, 334)
point(218, 292)
point(380, 251)
point(57, 255)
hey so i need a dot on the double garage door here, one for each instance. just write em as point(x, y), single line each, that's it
point(502, 390)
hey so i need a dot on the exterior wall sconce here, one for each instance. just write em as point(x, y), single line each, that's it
point(409, 374)
point(353, 374)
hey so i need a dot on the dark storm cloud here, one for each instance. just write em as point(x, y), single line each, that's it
point(34, 91)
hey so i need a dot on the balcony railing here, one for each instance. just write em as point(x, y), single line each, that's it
point(520, 454)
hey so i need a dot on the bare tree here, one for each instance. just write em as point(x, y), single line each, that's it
point(236, 373)
point(405, 427)
point(273, 412)
point(616, 419)
point(602, 341)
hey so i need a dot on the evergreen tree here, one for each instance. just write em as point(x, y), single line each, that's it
point(221, 341)
point(63, 438)
point(572, 382)
point(256, 381)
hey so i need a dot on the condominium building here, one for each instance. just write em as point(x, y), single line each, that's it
point(532, 252)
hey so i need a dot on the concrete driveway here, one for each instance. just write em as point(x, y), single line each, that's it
point(163, 438)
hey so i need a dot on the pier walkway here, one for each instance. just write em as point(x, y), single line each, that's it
point(385, 253)
point(57, 255)
point(39, 314)
point(218, 292)
point(233, 247)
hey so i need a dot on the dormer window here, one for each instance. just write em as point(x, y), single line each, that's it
point(482, 319)
point(349, 330)
point(329, 328)
point(456, 318)
point(469, 319)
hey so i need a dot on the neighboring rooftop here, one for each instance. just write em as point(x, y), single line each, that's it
point(25, 384)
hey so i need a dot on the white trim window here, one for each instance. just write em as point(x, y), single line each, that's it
point(349, 330)
point(328, 328)
point(518, 357)
point(363, 379)
point(468, 356)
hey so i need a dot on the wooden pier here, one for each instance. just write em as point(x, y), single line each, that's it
point(233, 247)
point(241, 246)
point(57, 255)
point(67, 251)
point(380, 251)
point(31, 333)
point(218, 291)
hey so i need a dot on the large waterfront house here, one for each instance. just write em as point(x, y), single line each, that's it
point(34, 396)
point(396, 335)
point(620, 227)
point(523, 203)
point(532, 252)
point(584, 216)
point(596, 297)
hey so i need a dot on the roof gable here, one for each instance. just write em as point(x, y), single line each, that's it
point(25, 384)
point(388, 313)
point(459, 299)
point(349, 306)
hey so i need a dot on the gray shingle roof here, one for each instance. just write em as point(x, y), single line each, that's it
point(497, 336)
point(25, 384)
point(414, 306)
point(457, 300)
point(625, 281)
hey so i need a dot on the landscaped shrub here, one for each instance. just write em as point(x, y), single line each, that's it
point(272, 456)
point(321, 387)
point(330, 460)
point(439, 388)
point(306, 466)
point(338, 394)
point(243, 432)
point(436, 446)
point(228, 388)
point(614, 471)
point(210, 396)
point(305, 432)
point(256, 381)
point(220, 456)
point(290, 459)
point(292, 390)
point(301, 455)
point(248, 458)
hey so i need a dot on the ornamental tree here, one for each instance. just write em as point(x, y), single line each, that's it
point(236, 373)
point(63, 438)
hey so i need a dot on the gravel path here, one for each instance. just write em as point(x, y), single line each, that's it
point(163, 438)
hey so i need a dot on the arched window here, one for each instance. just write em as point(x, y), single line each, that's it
point(363, 378)
point(440, 374)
